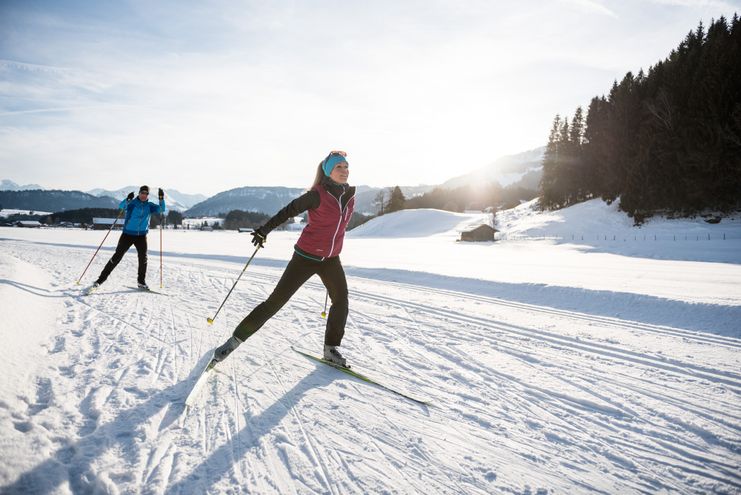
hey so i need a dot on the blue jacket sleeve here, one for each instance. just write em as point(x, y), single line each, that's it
point(158, 208)
point(122, 204)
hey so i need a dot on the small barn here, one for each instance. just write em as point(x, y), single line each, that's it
point(479, 234)
point(105, 223)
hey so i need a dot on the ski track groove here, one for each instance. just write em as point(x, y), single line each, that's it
point(602, 320)
point(595, 348)
point(401, 434)
point(326, 479)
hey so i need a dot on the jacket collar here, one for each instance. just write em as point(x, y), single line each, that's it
point(336, 189)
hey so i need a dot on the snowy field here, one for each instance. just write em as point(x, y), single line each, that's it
point(553, 366)
point(5, 212)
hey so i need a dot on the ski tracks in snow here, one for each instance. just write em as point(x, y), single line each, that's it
point(526, 398)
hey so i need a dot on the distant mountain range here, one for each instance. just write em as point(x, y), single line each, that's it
point(519, 170)
point(260, 199)
point(9, 185)
point(174, 199)
point(53, 200)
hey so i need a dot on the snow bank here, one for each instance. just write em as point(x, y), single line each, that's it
point(6, 212)
point(595, 219)
point(28, 311)
point(423, 222)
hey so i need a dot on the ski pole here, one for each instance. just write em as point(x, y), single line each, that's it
point(211, 320)
point(162, 224)
point(324, 313)
point(101, 245)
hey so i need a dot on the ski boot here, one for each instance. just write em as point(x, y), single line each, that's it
point(142, 286)
point(92, 288)
point(225, 349)
point(332, 354)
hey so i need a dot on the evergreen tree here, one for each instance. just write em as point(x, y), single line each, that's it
point(174, 218)
point(396, 201)
point(549, 197)
point(237, 219)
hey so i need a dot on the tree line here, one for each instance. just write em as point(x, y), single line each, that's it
point(666, 140)
point(481, 197)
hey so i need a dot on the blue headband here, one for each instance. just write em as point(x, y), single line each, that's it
point(329, 163)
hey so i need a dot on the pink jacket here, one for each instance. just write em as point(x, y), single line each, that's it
point(325, 232)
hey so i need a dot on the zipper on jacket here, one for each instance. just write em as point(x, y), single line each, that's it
point(334, 237)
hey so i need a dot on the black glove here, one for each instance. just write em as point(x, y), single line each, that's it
point(161, 193)
point(258, 238)
point(130, 196)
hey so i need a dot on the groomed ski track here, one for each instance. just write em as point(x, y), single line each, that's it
point(528, 399)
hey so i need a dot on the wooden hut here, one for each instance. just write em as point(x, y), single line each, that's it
point(479, 234)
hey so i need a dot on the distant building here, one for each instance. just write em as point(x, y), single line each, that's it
point(206, 228)
point(105, 223)
point(29, 224)
point(479, 234)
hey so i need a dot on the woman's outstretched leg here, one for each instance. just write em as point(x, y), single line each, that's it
point(298, 271)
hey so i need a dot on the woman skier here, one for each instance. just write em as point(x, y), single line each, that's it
point(136, 227)
point(330, 203)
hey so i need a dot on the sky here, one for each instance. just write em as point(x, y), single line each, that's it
point(209, 95)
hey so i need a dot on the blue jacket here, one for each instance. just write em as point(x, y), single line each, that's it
point(138, 213)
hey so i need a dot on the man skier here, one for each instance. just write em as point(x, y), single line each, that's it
point(136, 227)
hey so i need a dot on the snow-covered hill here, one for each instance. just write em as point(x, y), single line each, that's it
point(553, 366)
point(599, 226)
point(521, 169)
point(420, 223)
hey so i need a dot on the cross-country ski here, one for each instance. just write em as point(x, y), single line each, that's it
point(200, 381)
point(347, 370)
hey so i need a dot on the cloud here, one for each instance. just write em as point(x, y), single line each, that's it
point(592, 6)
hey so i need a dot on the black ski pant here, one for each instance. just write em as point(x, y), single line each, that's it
point(124, 243)
point(298, 271)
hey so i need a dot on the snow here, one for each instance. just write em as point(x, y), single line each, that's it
point(553, 366)
point(6, 212)
point(419, 223)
